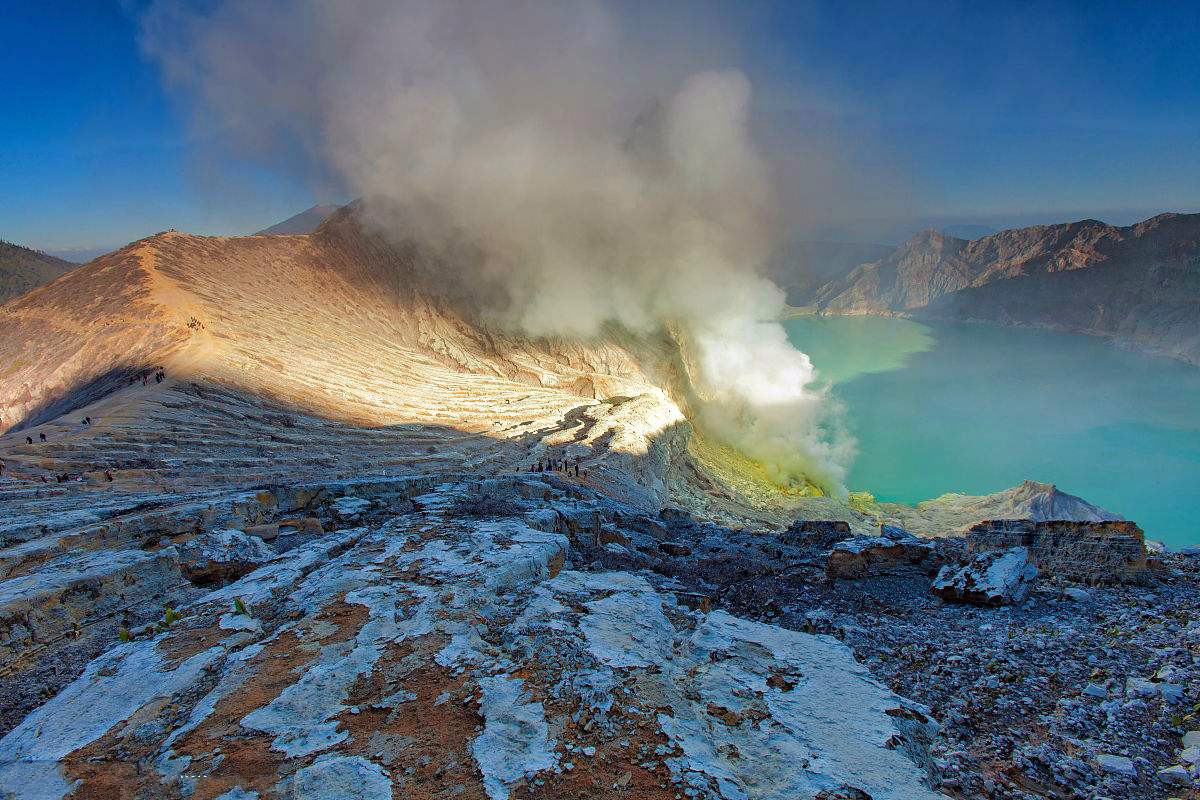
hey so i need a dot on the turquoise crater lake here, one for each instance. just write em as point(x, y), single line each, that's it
point(978, 408)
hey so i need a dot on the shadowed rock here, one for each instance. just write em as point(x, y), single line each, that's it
point(894, 548)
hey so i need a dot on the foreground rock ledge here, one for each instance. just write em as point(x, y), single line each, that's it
point(429, 653)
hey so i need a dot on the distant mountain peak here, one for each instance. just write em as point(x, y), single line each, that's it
point(934, 236)
point(1136, 283)
point(304, 222)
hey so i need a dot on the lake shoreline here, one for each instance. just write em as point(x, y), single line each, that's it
point(972, 408)
point(1119, 342)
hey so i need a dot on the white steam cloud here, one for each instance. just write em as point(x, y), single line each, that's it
point(601, 182)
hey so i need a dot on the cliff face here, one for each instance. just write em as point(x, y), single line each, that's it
point(1139, 284)
point(21, 269)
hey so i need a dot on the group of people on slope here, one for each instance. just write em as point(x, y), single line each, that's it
point(563, 465)
point(159, 373)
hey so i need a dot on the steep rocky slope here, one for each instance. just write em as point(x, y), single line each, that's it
point(1139, 284)
point(21, 269)
point(306, 221)
point(322, 355)
point(802, 268)
point(332, 356)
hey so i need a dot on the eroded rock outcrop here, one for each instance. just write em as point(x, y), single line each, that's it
point(1090, 552)
point(954, 513)
point(71, 595)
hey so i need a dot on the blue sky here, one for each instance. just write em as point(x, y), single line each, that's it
point(986, 112)
point(92, 152)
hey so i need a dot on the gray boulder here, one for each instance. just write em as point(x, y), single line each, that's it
point(1116, 765)
point(991, 579)
point(220, 556)
point(349, 510)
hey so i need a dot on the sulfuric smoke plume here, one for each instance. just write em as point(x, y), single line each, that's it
point(600, 178)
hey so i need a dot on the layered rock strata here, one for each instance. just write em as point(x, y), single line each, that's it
point(1094, 552)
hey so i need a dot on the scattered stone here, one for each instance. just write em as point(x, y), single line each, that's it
point(268, 532)
point(1171, 692)
point(1175, 775)
point(1138, 687)
point(1116, 765)
point(309, 526)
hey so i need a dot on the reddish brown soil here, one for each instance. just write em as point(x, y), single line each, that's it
point(431, 739)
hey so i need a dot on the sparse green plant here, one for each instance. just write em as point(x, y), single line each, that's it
point(239, 607)
point(124, 634)
point(170, 615)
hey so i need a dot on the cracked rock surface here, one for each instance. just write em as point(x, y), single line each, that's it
point(424, 653)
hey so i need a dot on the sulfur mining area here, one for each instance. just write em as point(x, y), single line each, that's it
point(281, 522)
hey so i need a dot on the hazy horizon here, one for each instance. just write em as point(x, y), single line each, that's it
point(890, 232)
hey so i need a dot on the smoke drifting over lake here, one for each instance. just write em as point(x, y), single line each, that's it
point(598, 180)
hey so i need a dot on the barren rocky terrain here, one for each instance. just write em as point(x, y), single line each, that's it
point(21, 269)
point(297, 528)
